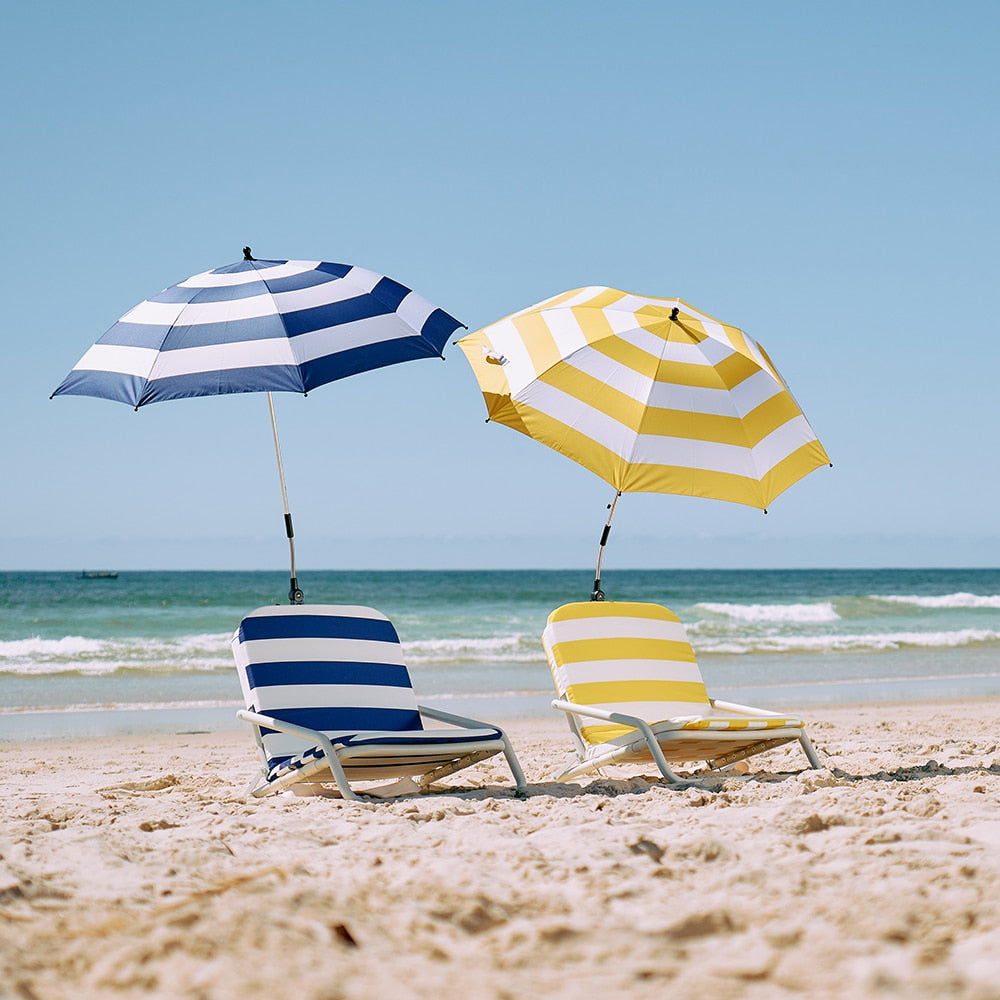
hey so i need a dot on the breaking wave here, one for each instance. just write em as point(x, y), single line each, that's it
point(961, 600)
point(811, 614)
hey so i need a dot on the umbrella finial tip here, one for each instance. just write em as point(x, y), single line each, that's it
point(247, 253)
point(674, 312)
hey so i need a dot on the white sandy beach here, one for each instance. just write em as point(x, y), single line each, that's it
point(132, 871)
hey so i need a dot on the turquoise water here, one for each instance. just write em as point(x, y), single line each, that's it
point(149, 650)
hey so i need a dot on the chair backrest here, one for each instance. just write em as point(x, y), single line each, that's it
point(334, 668)
point(625, 657)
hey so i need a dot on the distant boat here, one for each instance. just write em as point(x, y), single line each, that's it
point(103, 574)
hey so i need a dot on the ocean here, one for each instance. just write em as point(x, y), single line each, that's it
point(149, 651)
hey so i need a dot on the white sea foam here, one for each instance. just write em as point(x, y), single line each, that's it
point(77, 654)
point(822, 682)
point(68, 647)
point(961, 600)
point(501, 648)
point(130, 706)
point(859, 642)
point(804, 613)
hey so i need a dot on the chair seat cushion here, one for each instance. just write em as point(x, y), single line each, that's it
point(417, 743)
point(600, 733)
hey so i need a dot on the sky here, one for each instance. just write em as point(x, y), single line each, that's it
point(823, 176)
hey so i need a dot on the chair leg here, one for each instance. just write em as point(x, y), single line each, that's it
point(810, 751)
point(515, 766)
point(337, 770)
point(654, 748)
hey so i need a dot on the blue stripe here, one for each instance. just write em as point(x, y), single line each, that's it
point(440, 736)
point(266, 327)
point(296, 282)
point(306, 626)
point(104, 385)
point(279, 766)
point(215, 293)
point(136, 335)
point(159, 336)
point(273, 378)
point(354, 719)
point(438, 328)
point(271, 326)
point(337, 270)
point(248, 265)
point(327, 672)
point(363, 359)
point(264, 286)
point(390, 293)
point(335, 314)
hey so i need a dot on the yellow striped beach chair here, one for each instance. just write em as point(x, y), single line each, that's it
point(631, 689)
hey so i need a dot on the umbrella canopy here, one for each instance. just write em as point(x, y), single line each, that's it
point(650, 394)
point(260, 326)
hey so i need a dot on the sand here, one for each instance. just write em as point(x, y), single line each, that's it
point(132, 871)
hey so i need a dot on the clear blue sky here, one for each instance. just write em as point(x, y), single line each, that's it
point(824, 176)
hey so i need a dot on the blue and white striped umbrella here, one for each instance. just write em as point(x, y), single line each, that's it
point(260, 326)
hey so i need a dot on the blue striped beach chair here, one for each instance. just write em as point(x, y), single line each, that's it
point(330, 700)
point(631, 689)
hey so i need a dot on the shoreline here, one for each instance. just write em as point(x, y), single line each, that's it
point(101, 722)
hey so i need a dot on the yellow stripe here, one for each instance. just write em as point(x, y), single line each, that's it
point(593, 392)
point(491, 378)
point(538, 341)
point(612, 609)
point(682, 481)
point(770, 365)
point(501, 410)
point(645, 477)
point(644, 419)
point(593, 323)
point(583, 650)
point(601, 734)
point(621, 352)
point(742, 724)
point(736, 369)
point(638, 416)
point(602, 298)
point(790, 470)
point(726, 374)
point(622, 692)
point(743, 432)
point(575, 445)
point(556, 300)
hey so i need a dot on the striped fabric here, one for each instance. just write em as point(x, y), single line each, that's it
point(339, 670)
point(650, 394)
point(635, 659)
point(259, 326)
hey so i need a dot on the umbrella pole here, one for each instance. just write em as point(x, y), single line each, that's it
point(597, 594)
point(295, 596)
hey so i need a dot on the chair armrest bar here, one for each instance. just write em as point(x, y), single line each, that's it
point(731, 706)
point(311, 736)
point(464, 723)
point(455, 720)
point(625, 720)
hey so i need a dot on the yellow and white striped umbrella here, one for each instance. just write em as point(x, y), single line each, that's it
point(650, 394)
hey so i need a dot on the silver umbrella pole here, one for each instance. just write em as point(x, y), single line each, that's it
point(597, 594)
point(295, 596)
